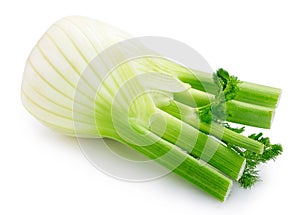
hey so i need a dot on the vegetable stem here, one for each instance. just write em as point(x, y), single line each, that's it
point(198, 144)
point(252, 93)
point(178, 161)
point(236, 111)
point(188, 115)
point(249, 114)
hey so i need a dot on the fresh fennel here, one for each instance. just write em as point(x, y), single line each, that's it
point(197, 143)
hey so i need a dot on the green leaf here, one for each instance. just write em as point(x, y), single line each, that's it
point(227, 89)
point(271, 152)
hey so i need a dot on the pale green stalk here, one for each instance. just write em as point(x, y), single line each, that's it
point(190, 116)
point(236, 111)
point(205, 147)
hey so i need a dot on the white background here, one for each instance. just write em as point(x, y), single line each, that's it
point(42, 172)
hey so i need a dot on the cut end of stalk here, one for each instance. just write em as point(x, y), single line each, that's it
point(279, 97)
point(242, 170)
point(262, 149)
point(272, 118)
point(228, 191)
